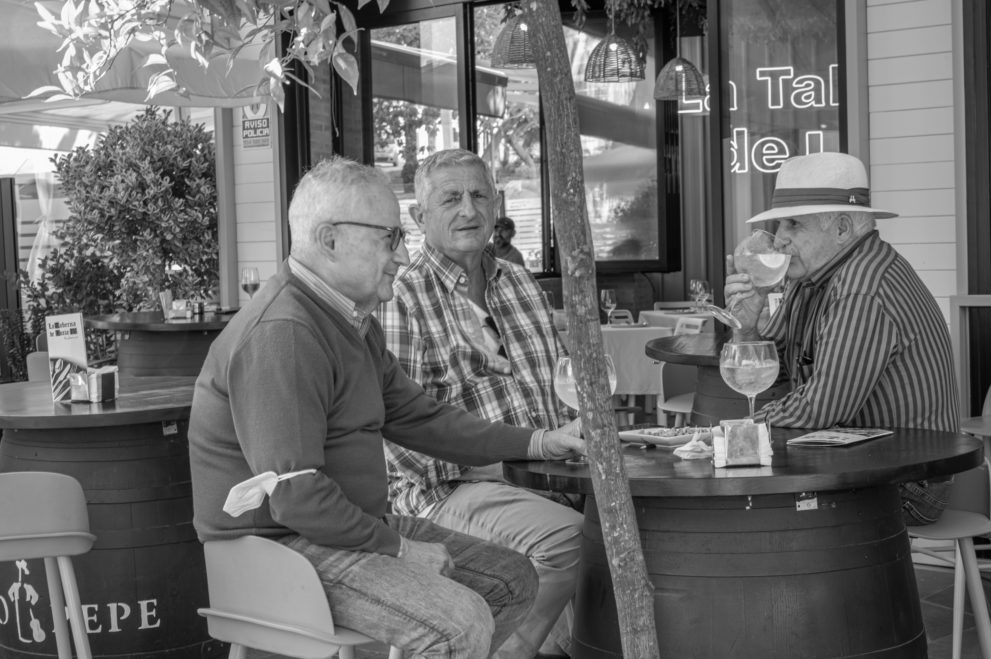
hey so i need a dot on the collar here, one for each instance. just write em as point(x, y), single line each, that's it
point(453, 275)
point(826, 272)
point(358, 317)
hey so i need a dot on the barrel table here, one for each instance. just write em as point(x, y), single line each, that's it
point(808, 557)
point(714, 400)
point(149, 345)
point(144, 578)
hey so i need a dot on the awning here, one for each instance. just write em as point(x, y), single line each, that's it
point(28, 57)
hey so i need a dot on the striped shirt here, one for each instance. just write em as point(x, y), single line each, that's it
point(864, 344)
point(430, 327)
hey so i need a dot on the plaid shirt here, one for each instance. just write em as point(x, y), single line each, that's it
point(864, 344)
point(426, 328)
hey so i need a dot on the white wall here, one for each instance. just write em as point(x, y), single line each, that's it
point(256, 202)
point(912, 149)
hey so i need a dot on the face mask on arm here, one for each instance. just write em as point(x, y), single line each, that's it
point(248, 495)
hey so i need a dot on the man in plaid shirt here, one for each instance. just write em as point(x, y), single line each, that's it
point(475, 331)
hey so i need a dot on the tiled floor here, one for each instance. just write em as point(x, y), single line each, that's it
point(935, 591)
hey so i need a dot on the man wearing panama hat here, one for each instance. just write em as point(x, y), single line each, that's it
point(860, 336)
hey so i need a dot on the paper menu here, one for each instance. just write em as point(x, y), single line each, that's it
point(837, 436)
point(66, 352)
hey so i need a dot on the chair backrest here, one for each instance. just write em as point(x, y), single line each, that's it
point(971, 490)
point(672, 304)
point(621, 317)
point(42, 514)
point(689, 325)
point(262, 580)
point(37, 366)
point(986, 411)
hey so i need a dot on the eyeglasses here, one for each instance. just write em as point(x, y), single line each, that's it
point(397, 235)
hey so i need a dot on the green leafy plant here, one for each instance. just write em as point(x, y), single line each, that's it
point(17, 333)
point(142, 219)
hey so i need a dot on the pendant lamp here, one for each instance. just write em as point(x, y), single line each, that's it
point(512, 49)
point(614, 59)
point(679, 78)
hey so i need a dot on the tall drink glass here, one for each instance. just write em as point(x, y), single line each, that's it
point(757, 256)
point(749, 367)
point(566, 388)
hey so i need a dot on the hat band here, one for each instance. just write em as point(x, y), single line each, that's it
point(786, 197)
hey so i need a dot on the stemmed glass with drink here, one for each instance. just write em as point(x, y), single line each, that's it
point(250, 281)
point(749, 367)
point(566, 388)
point(757, 256)
point(607, 300)
point(699, 289)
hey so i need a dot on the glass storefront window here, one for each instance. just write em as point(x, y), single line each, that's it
point(508, 130)
point(414, 77)
point(780, 99)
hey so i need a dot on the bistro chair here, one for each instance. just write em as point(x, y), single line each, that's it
point(968, 514)
point(43, 515)
point(673, 304)
point(264, 595)
point(621, 317)
point(677, 397)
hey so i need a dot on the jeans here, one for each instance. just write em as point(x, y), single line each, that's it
point(460, 616)
point(924, 501)
point(547, 533)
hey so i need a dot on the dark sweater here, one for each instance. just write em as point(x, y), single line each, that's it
point(290, 384)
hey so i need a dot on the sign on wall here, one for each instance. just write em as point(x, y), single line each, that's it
point(256, 127)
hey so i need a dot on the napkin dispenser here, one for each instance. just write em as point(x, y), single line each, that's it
point(741, 443)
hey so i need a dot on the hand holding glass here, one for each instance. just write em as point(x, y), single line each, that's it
point(566, 388)
point(749, 367)
point(607, 300)
point(249, 280)
point(757, 256)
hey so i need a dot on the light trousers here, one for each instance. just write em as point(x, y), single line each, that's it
point(546, 532)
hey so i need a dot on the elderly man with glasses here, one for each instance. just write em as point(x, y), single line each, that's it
point(476, 332)
point(300, 383)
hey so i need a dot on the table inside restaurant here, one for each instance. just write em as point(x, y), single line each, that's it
point(714, 400)
point(150, 345)
point(144, 578)
point(806, 557)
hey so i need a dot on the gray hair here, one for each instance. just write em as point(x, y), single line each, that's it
point(442, 159)
point(325, 193)
point(863, 222)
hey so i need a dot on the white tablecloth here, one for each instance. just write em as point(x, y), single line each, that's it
point(636, 373)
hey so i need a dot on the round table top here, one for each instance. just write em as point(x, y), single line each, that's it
point(695, 349)
point(976, 425)
point(29, 405)
point(153, 321)
point(905, 455)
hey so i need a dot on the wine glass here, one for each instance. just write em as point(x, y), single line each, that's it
point(566, 388)
point(249, 281)
point(749, 367)
point(699, 289)
point(607, 300)
point(757, 256)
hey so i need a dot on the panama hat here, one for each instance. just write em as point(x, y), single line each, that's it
point(820, 183)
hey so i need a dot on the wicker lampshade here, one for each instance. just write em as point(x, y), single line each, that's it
point(614, 60)
point(679, 79)
point(512, 49)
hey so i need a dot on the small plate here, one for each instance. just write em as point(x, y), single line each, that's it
point(662, 437)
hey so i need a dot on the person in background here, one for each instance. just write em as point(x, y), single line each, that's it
point(502, 238)
point(300, 384)
point(476, 332)
point(860, 336)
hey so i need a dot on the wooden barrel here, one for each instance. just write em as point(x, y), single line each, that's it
point(754, 577)
point(143, 354)
point(143, 580)
point(715, 401)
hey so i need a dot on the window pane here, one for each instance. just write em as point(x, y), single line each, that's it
point(508, 128)
point(619, 137)
point(782, 97)
point(414, 101)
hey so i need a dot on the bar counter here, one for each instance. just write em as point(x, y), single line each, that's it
point(808, 557)
point(144, 578)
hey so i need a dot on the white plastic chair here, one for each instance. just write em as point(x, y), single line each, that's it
point(43, 515)
point(678, 404)
point(968, 514)
point(264, 595)
point(672, 304)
